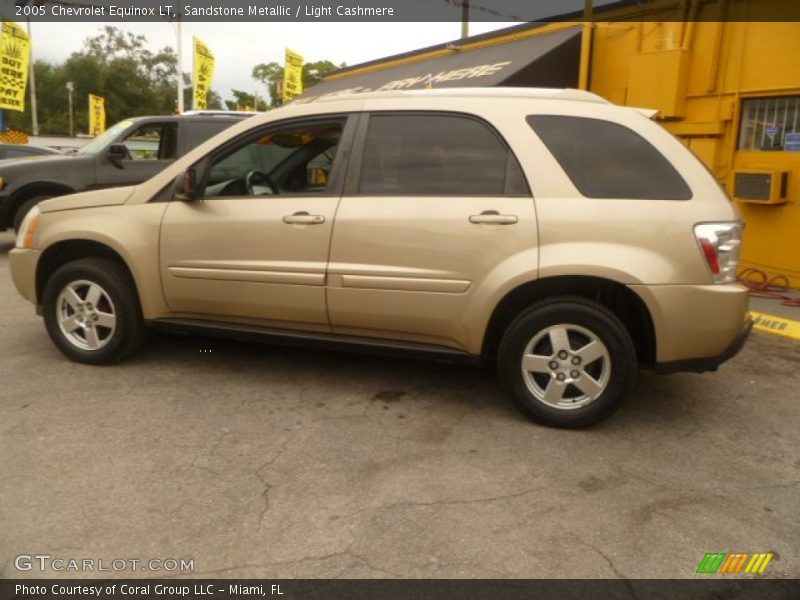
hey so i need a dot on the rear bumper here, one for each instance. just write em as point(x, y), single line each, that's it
point(697, 327)
point(701, 365)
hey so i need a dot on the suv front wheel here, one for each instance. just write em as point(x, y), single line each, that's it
point(568, 362)
point(91, 311)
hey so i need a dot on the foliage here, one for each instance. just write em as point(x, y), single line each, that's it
point(244, 101)
point(134, 80)
point(271, 75)
point(214, 101)
point(116, 65)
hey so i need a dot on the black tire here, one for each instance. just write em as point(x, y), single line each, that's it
point(118, 299)
point(25, 207)
point(610, 377)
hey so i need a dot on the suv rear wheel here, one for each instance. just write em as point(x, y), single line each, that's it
point(91, 311)
point(568, 362)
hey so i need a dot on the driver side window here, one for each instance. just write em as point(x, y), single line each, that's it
point(153, 141)
point(296, 159)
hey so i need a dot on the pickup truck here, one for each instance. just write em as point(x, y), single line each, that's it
point(130, 152)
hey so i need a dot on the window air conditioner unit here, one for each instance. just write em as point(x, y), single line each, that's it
point(760, 187)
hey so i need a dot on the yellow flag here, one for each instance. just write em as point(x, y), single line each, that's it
point(97, 115)
point(292, 75)
point(203, 73)
point(15, 53)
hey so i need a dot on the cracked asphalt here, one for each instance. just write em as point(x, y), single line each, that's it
point(262, 461)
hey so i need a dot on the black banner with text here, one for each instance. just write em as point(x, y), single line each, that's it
point(398, 10)
point(383, 589)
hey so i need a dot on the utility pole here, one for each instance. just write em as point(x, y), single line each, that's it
point(32, 76)
point(179, 34)
point(464, 19)
point(584, 75)
point(70, 89)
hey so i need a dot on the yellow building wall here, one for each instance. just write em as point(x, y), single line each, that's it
point(696, 62)
point(698, 75)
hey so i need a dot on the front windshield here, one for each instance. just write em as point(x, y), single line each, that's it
point(105, 138)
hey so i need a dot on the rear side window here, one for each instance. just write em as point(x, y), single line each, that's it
point(443, 155)
point(197, 132)
point(607, 160)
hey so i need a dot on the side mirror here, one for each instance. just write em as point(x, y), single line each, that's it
point(116, 154)
point(186, 186)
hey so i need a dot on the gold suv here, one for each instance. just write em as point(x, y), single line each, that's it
point(562, 237)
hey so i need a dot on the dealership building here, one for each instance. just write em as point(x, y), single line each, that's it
point(724, 82)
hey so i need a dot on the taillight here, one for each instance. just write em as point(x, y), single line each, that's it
point(721, 244)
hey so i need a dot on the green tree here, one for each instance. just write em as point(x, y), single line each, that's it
point(214, 101)
point(271, 74)
point(242, 99)
point(114, 64)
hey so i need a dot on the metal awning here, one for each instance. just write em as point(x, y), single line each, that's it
point(546, 60)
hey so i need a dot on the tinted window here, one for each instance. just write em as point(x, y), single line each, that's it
point(436, 155)
point(607, 160)
point(197, 132)
point(293, 160)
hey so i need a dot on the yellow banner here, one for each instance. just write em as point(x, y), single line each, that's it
point(203, 73)
point(15, 53)
point(97, 115)
point(292, 75)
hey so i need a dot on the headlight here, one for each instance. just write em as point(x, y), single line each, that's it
point(28, 227)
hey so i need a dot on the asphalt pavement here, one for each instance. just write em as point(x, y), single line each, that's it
point(262, 461)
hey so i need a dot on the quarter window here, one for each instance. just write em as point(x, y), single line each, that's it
point(199, 131)
point(607, 160)
point(770, 124)
point(436, 155)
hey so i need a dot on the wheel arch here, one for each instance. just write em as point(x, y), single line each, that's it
point(63, 252)
point(617, 297)
point(31, 190)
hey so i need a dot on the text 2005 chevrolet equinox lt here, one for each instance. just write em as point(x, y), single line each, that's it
point(567, 239)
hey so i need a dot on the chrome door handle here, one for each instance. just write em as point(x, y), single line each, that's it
point(303, 218)
point(492, 217)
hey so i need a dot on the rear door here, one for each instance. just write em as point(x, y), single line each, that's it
point(433, 205)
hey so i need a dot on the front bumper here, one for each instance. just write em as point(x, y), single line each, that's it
point(4, 202)
point(22, 262)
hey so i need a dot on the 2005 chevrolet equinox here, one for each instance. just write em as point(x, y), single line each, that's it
point(567, 239)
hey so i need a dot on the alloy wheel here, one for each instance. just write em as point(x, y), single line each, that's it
point(86, 315)
point(566, 366)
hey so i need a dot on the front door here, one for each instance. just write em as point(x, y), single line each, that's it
point(438, 205)
point(255, 245)
point(151, 147)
